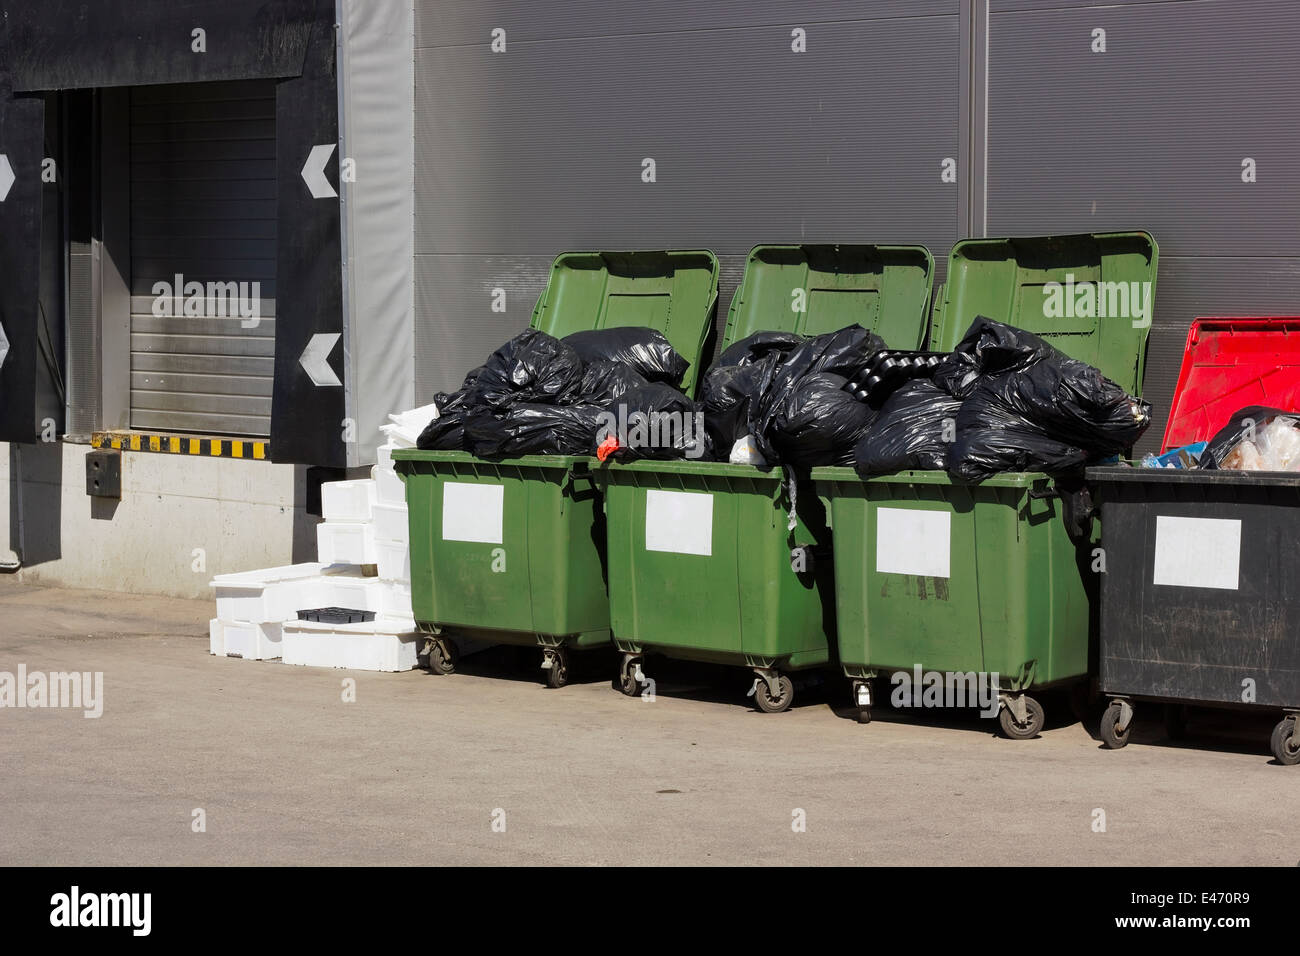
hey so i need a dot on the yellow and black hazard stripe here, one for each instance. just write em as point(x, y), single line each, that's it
point(182, 445)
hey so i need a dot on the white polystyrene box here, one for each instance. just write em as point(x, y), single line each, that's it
point(388, 486)
point(384, 455)
point(370, 646)
point(354, 593)
point(392, 522)
point(397, 600)
point(345, 543)
point(407, 425)
point(271, 594)
point(348, 500)
point(387, 598)
point(393, 559)
point(393, 435)
point(249, 640)
point(216, 638)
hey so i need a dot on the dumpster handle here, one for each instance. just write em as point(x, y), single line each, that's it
point(1076, 509)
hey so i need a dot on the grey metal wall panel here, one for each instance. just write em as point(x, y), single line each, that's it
point(467, 22)
point(1150, 135)
point(203, 205)
point(453, 304)
point(524, 154)
point(514, 151)
point(1147, 134)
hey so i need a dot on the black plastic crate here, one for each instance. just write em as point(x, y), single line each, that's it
point(336, 615)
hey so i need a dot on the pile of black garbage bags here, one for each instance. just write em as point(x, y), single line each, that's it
point(539, 395)
point(1003, 400)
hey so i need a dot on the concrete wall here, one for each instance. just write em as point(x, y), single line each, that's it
point(238, 514)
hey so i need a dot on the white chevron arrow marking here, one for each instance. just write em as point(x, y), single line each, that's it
point(4, 345)
point(315, 358)
point(6, 177)
point(313, 171)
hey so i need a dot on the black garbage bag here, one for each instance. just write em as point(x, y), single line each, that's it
point(728, 395)
point(1052, 415)
point(1071, 400)
point(732, 389)
point(1245, 423)
point(820, 422)
point(844, 352)
point(992, 438)
point(603, 382)
point(915, 429)
point(532, 368)
point(645, 350)
point(756, 347)
point(529, 428)
point(988, 348)
point(447, 431)
point(652, 421)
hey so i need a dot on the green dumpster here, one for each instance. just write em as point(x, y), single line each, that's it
point(977, 592)
point(513, 551)
point(716, 562)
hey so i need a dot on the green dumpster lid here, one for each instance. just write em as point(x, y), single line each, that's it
point(882, 288)
point(674, 291)
point(1089, 295)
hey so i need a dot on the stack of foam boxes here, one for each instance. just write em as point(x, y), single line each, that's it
point(364, 568)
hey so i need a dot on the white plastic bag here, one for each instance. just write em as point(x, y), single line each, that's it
point(745, 452)
point(1275, 447)
point(1279, 445)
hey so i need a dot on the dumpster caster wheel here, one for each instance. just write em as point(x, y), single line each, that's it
point(556, 664)
point(1286, 741)
point(1033, 723)
point(769, 704)
point(862, 700)
point(1175, 721)
point(630, 678)
point(442, 657)
point(1112, 735)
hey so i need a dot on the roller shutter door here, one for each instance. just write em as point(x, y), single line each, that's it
point(203, 207)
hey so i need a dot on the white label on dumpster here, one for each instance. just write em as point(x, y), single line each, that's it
point(472, 512)
point(910, 541)
point(1197, 552)
point(679, 521)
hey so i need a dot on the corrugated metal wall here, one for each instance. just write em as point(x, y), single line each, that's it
point(1152, 133)
point(203, 205)
point(539, 149)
